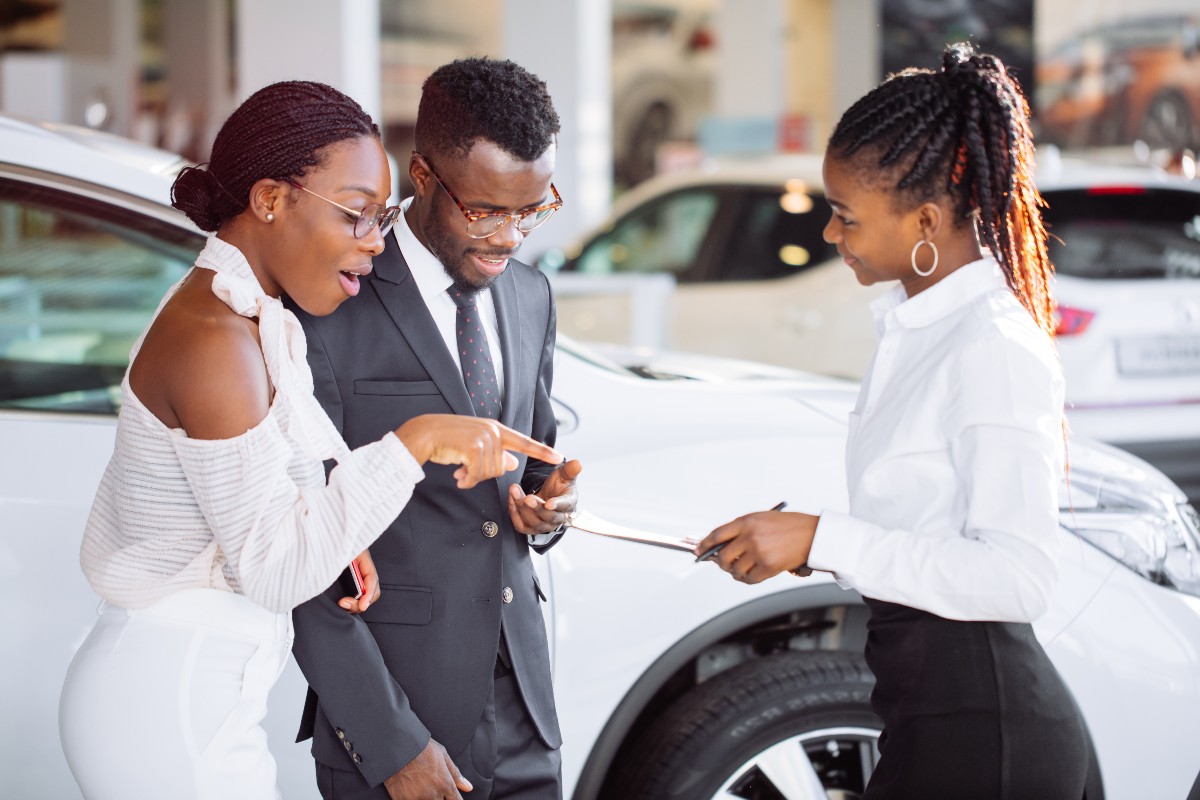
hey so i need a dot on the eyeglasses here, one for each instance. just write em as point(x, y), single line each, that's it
point(482, 224)
point(365, 220)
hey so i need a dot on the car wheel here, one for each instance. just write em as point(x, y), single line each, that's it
point(1169, 123)
point(789, 726)
point(651, 131)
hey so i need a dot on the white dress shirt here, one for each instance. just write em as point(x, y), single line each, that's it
point(954, 456)
point(433, 281)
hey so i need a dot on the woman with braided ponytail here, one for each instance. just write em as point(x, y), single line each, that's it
point(956, 445)
point(214, 519)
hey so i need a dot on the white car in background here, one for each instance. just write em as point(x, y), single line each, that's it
point(755, 280)
point(672, 680)
point(663, 79)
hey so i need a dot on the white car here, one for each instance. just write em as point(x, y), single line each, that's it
point(755, 280)
point(672, 680)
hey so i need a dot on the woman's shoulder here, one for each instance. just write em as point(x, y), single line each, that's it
point(201, 361)
point(997, 325)
point(1002, 365)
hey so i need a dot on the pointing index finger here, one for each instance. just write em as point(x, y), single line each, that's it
point(519, 442)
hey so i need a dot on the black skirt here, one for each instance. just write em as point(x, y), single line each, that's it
point(970, 710)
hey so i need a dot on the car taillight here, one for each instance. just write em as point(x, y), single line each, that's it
point(1071, 321)
point(1117, 190)
point(701, 39)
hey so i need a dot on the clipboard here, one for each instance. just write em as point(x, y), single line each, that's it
point(589, 523)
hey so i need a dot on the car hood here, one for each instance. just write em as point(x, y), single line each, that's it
point(834, 398)
point(675, 365)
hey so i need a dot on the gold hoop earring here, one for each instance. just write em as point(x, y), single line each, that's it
point(913, 258)
point(270, 217)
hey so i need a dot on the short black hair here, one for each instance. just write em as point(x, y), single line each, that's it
point(279, 132)
point(482, 98)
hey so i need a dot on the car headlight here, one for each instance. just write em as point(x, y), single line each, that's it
point(1146, 529)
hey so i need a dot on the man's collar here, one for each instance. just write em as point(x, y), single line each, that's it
point(431, 277)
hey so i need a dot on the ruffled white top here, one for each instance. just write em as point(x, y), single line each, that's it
point(251, 514)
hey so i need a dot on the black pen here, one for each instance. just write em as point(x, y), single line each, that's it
point(712, 551)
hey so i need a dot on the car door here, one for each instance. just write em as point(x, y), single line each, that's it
point(618, 289)
point(776, 291)
point(81, 272)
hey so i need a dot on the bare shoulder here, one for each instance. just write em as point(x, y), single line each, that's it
point(201, 366)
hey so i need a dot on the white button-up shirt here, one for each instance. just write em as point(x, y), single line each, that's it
point(954, 456)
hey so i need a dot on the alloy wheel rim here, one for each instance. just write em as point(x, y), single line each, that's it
point(799, 767)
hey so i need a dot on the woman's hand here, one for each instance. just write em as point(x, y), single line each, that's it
point(762, 545)
point(480, 445)
point(366, 565)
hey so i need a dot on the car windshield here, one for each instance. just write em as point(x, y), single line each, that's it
point(1125, 232)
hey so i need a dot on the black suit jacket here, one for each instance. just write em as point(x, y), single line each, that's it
point(420, 661)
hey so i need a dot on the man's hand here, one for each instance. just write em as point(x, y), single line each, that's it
point(429, 776)
point(761, 545)
point(547, 509)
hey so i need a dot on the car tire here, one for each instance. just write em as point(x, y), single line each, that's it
point(744, 734)
point(642, 159)
point(1169, 123)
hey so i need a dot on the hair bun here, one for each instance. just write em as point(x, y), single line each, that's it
point(197, 193)
point(963, 64)
point(957, 56)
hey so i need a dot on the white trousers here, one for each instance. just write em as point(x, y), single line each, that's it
point(168, 700)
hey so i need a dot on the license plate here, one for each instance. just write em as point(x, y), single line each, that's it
point(1178, 355)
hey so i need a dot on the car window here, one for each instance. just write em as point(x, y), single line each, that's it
point(1125, 233)
point(777, 233)
point(79, 280)
point(662, 236)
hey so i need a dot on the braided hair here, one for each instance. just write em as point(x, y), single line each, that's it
point(962, 133)
point(482, 98)
point(279, 132)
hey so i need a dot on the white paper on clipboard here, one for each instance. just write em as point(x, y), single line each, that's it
point(589, 523)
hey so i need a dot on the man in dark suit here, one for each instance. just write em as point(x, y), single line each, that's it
point(445, 679)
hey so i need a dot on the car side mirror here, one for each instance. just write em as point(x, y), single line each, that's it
point(1191, 41)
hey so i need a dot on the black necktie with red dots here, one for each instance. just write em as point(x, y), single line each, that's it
point(479, 373)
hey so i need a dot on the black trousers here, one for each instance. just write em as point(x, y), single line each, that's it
point(970, 710)
point(505, 760)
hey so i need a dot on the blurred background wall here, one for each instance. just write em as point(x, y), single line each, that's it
point(643, 86)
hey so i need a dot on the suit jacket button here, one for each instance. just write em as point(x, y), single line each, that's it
point(348, 745)
point(341, 734)
point(506, 595)
point(490, 529)
point(357, 758)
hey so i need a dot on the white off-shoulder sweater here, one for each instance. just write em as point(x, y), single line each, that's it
point(251, 514)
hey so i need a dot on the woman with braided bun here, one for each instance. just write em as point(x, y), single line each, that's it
point(956, 445)
point(214, 518)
